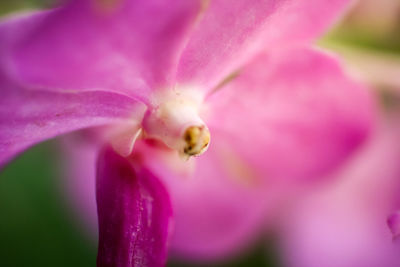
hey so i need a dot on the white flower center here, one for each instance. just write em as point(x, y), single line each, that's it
point(175, 120)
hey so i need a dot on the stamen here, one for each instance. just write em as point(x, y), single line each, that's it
point(197, 139)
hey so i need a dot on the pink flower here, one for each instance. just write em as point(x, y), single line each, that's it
point(342, 223)
point(156, 80)
point(393, 222)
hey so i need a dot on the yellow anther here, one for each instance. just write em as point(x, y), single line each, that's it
point(196, 140)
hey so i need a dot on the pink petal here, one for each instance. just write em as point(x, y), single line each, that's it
point(232, 32)
point(343, 224)
point(78, 153)
point(134, 214)
point(218, 208)
point(28, 117)
point(125, 139)
point(129, 46)
point(217, 212)
point(393, 222)
point(292, 114)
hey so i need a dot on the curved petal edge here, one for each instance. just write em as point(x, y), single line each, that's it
point(134, 214)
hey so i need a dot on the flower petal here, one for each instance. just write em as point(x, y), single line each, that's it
point(134, 214)
point(343, 224)
point(88, 45)
point(232, 32)
point(78, 153)
point(393, 222)
point(217, 212)
point(31, 116)
point(291, 115)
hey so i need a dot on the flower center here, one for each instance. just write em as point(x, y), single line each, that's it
point(197, 139)
point(174, 119)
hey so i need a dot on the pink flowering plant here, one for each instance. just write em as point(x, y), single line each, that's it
point(151, 84)
point(353, 219)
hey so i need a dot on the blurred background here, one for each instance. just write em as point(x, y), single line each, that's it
point(37, 225)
